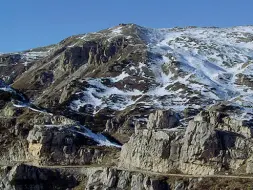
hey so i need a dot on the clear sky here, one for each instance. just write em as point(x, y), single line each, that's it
point(31, 23)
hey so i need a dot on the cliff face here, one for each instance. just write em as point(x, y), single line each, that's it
point(206, 146)
point(133, 100)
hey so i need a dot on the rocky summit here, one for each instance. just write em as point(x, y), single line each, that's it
point(130, 107)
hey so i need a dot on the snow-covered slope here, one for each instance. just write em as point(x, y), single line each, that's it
point(28, 56)
point(186, 68)
point(12, 65)
point(115, 77)
point(19, 101)
point(33, 55)
point(211, 60)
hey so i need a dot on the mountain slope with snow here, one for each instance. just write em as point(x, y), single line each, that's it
point(125, 72)
point(185, 68)
point(12, 65)
point(214, 62)
point(176, 101)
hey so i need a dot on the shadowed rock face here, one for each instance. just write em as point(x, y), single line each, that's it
point(23, 176)
point(29, 177)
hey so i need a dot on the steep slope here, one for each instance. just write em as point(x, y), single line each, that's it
point(210, 64)
point(14, 64)
point(128, 71)
point(80, 63)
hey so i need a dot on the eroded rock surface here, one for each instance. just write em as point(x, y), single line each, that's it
point(49, 145)
point(163, 120)
point(110, 178)
point(208, 145)
point(153, 150)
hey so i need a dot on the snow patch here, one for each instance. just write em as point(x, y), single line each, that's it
point(97, 137)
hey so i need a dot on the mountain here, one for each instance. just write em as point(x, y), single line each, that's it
point(147, 89)
point(129, 66)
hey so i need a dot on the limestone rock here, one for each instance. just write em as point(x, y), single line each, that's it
point(10, 111)
point(110, 178)
point(150, 150)
point(136, 182)
point(13, 146)
point(201, 146)
point(162, 120)
point(207, 146)
point(51, 145)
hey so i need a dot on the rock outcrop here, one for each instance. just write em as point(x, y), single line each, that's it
point(207, 146)
point(13, 144)
point(21, 177)
point(110, 178)
point(153, 150)
point(163, 119)
point(50, 145)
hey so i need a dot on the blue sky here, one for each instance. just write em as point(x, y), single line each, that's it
point(31, 23)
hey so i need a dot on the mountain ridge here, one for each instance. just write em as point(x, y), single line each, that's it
point(163, 50)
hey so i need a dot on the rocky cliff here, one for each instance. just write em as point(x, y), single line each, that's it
point(208, 145)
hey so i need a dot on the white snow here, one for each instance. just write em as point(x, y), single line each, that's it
point(23, 105)
point(33, 55)
point(25, 64)
point(20, 103)
point(72, 45)
point(30, 106)
point(117, 30)
point(210, 59)
point(99, 138)
point(122, 76)
point(5, 87)
point(211, 55)
point(99, 96)
point(114, 32)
